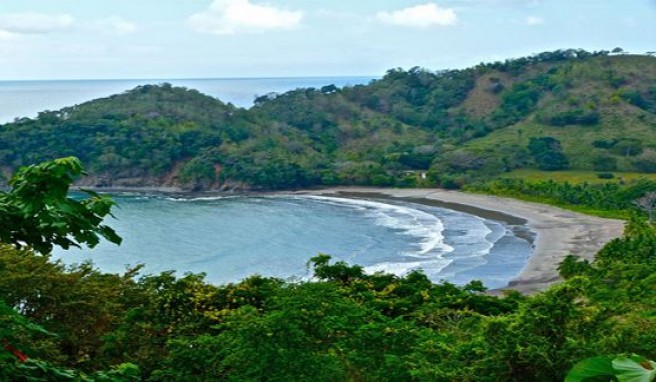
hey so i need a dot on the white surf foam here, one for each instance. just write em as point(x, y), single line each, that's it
point(425, 227)
point(431, 267)
point(200, 198)
point(407, 220)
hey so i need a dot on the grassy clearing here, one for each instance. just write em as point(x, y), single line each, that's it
point(576, 177)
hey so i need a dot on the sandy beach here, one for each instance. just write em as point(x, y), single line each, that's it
point(559, 232)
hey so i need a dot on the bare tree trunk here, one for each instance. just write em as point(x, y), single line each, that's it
point(647, 203)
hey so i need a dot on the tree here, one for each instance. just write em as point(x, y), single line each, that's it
point(37, 212)
point(648, 204)
point(548, 154)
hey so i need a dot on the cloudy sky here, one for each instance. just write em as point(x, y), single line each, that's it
point(94, 39)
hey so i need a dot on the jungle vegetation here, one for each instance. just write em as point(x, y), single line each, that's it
point(562, 110)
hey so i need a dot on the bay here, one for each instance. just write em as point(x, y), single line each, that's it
point(234, 237)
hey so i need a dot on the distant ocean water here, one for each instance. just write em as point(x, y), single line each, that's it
point(26, 98)
point(233, 237)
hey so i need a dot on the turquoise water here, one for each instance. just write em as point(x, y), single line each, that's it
point(27, 98)
point(232, 238)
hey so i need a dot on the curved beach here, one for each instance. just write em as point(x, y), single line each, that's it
point(559, 232)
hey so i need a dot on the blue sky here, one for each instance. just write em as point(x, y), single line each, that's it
point(94, 39)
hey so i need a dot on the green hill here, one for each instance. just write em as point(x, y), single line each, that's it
point(567, 109)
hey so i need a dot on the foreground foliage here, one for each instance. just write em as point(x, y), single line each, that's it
point(345, 325)
point(633, 368)
point(38, 213)
point(75, 323)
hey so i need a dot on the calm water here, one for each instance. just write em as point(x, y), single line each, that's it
point(27, 98)
point(231, 238)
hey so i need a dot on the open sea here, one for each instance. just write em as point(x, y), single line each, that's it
point(231, 238)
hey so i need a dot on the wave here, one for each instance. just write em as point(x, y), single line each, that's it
point(431, 267)
point(200, 198)
point(425, 227)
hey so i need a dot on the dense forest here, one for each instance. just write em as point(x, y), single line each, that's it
point(568, 109)
point(75, 323)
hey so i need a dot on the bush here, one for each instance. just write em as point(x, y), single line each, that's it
point(605, 175)
point(604, 163)
point(572, 117)
point(646, 162)
point(627, 147)
point(547, 154)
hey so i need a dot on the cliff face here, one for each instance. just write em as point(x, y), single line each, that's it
point(163, 184)
point(565, 109)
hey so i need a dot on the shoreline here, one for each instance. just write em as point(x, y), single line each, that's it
point(558, 232)
point(518, 225)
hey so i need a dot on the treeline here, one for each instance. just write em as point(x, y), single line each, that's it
point(412, 127)
point(614, 198)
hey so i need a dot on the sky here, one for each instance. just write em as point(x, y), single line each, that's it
point(167, 39)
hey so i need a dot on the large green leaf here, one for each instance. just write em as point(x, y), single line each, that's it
point(593, 369)
point(634, 369)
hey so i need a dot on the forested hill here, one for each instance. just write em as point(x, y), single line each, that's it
point(567, 109)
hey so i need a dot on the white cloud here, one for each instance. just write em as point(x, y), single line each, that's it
point(533, 20)
point(242, 16)
point(116, 25)
point(503, 3)
point(35, 23)
point(4, 35)
point(420, 16)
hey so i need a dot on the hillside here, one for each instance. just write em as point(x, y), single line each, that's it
point(567, 109)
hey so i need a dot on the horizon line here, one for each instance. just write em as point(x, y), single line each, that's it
point(190, 78)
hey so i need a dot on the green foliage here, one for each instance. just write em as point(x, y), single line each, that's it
point(633, 368)
point(199, 173)
point(38, 213)
point(345, 325)
point(577, 116)
point(627, 147)
point(592, 369)
point(614, 197)
point(548, 154)
point(604, 163)
point(646, 162)
point(164, 135)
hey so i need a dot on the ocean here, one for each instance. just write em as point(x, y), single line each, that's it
point(20, 99)
point(230, 238)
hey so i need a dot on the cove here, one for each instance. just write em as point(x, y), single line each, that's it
point(230, 238)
